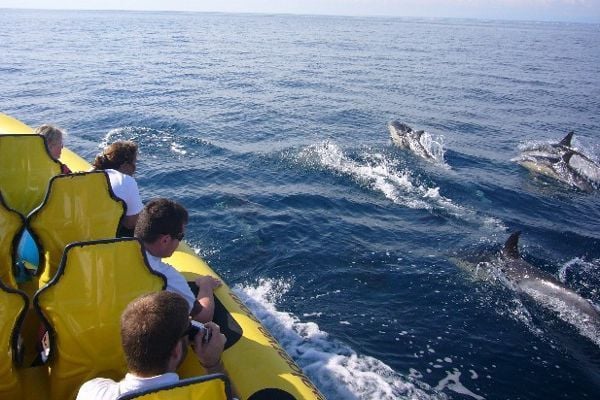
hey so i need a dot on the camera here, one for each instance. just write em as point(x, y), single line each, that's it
point(198, 327)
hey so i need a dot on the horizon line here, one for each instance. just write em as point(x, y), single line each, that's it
point(592, 20)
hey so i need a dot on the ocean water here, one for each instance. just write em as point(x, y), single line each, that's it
point(271, 130)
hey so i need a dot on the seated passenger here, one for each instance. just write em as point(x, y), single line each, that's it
point(154, 336)
point(118, 161)
point(160, 227)
point(54, 140)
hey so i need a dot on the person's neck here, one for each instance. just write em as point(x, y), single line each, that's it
point(152, 249)
point(147, 375)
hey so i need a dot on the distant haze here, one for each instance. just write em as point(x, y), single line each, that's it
point(542, 10)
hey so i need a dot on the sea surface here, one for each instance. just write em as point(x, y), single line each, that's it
point(271, 130)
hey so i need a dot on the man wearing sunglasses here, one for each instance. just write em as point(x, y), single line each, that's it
point(155, 335)
point(160, 227)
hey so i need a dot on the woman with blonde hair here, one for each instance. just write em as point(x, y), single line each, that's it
point(54, 137)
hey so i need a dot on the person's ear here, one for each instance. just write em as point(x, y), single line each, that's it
point(164, 239)
point(177, 353)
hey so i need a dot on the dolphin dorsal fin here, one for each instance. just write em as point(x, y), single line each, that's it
point(511, 248)
point(567, 140)
point(567, 156)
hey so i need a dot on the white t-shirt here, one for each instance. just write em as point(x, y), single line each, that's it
point(126, 188)
point(175, 281)
point(107, 389)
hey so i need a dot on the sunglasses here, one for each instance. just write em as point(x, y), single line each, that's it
point(179, 236)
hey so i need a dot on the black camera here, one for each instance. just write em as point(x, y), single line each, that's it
point(198, 327)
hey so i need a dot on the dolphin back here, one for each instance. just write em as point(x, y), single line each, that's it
point(399, 127)
point(567, 156)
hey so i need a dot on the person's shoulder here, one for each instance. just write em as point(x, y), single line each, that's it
point(157, 263)
point(98, 389)
point(126, 179)
point(117, 176)
point(113, 172)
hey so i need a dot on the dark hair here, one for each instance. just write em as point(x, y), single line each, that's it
point(116, 154)
point(160, 217)
point(151, 327)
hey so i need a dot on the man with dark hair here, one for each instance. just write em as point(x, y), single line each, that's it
point(160, 227)
point(154, 335)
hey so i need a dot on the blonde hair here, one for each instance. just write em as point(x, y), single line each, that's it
point(52, 133)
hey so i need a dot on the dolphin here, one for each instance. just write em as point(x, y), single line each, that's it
point(545, 289)
point(404, 136)
point(584, 176)
point(563, 162)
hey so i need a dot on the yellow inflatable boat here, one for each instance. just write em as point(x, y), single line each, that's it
point(84, 279)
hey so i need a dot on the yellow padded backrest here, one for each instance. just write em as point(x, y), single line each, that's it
point(11, 223)
point(13, 305)
point(78, 207)
point(25, 169)
point(83, 304)
point(209, 387)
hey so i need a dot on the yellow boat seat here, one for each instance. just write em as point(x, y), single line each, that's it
point(207, 387)
point(82, 306)
point(11, 223)
point(25, 169)
point(78, 207)
point(13, 305)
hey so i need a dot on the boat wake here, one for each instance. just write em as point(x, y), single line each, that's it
point(383, 174)
point(337, 370)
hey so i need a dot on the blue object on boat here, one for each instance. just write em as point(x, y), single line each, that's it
point(27, 250)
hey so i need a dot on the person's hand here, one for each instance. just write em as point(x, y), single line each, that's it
point(207, 282)
point(209, 353)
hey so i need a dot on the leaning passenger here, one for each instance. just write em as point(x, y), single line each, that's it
point(118, 160)
point(54, 137)
point(160, 228)
point(155, 337)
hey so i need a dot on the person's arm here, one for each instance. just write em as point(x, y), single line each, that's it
point(204, 306)
point(129, 221)
point(209, 353)
point(133, 200)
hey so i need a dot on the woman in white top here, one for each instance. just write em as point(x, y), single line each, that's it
point(118, 160)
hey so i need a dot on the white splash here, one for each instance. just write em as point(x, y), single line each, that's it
point(379, 173)
point(149, 140)
point(178, 148)
point(452, 382)
point(337, 370)
point(582, 274)
point(434, 145)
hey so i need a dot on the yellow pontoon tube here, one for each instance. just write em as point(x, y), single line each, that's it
point(256, 364)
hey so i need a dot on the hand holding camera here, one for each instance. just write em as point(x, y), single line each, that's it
point(199, 328)
point(209, 347)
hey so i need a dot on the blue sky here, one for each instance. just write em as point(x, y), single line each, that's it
point(544, 10)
